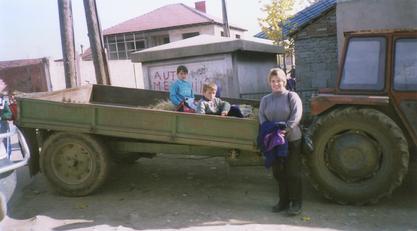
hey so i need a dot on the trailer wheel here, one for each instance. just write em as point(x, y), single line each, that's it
point(74, 164)
point(360, 155)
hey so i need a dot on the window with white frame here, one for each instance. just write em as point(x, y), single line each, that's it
point(121, 46)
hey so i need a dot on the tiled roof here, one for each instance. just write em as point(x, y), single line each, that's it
point(168, 16)
point(303, 17)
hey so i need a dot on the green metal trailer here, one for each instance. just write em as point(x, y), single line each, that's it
point(79, 131)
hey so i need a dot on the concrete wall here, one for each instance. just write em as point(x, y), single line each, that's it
point(123, 73)
point(56, 70)
point(316, 57)
point(239, 74)
point(353, 15)
point(218, 31)
point(212, 68)
point(252, 71)
point(175, 35)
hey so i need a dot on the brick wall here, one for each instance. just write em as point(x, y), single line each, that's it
point(25, 76)
point(316, 57)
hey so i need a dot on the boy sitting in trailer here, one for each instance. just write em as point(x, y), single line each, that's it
point(210, 104)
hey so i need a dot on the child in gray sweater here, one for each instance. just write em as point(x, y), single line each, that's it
point(209, 104)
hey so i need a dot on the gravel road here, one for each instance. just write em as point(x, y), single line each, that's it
point(174, 192)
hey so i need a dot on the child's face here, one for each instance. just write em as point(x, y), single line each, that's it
point(182, 75)
point(210, 94)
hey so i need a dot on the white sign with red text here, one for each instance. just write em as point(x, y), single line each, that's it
point(161, 77)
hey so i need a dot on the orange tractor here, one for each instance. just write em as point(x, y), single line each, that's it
point(365, 130)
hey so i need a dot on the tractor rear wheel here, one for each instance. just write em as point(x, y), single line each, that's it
point(360, 155)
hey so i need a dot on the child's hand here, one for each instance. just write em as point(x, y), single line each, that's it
point(224, 113)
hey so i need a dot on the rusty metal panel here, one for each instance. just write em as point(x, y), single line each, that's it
point(322, 102)
point(409, 109)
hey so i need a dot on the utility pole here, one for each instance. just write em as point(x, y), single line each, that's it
point(225, 21)
point(96, 43)
point(67, 42)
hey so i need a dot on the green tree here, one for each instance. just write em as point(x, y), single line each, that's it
point(277, 12)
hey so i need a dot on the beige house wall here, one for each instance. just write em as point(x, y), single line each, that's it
point(176, 34)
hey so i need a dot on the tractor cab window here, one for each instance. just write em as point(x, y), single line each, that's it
point(405, 65)
point(364, 67)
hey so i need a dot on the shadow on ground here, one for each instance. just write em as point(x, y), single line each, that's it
point(173, 193)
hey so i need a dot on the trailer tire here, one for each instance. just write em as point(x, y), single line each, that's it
point(360, 155)
point(74, 164)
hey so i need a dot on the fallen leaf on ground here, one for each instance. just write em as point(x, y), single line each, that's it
point(306, 218)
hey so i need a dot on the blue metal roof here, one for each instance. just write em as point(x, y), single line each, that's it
point(303, 17)
point(261, 35)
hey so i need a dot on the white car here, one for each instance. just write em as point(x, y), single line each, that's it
point(8, 167)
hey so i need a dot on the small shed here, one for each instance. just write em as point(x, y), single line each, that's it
point(239, 67)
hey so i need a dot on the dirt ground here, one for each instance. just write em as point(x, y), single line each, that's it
point(174, 192)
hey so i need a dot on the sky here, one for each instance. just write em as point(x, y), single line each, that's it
point(30, 29)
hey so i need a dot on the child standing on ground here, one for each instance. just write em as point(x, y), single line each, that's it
point(209, 104)
point(181, 91)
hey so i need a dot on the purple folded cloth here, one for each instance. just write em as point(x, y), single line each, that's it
point(273, 139)
point(272, 142)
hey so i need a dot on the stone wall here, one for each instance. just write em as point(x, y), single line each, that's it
point(316, 57)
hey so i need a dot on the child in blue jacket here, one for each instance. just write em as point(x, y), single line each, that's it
point(181, 90)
